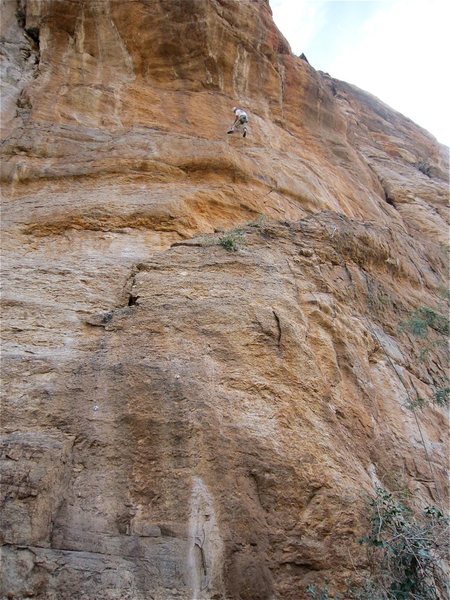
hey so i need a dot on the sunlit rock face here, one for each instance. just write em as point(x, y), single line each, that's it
point(181, 421)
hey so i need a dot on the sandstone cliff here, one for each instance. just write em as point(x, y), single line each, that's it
point(179, 420)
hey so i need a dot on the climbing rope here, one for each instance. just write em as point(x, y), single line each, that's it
point(433, 476)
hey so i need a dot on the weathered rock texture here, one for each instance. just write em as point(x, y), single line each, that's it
point(181, 421)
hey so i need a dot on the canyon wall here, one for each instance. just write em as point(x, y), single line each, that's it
point(183, 421)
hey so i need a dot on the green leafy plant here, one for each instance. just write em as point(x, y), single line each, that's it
point(441, 397)
point(231, 240)
point(406, 553)
point(423, 319)
point(420, 323)
point(417, 404)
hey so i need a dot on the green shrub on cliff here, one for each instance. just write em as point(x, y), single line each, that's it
point(231, 240)
point(423, 319)
point(406, 554)
point(442, 397)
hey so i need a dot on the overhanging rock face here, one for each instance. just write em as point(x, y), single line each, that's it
point(182, 421)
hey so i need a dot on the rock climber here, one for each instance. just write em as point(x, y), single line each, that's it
point(240, 121)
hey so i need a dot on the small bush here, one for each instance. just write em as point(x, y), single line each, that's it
point(441, 397)
point(231, 240)
point(435, 320)
point(406, 553)
point(424, 318)
point(417, 404)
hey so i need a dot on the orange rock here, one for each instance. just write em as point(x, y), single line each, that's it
point(182, 421)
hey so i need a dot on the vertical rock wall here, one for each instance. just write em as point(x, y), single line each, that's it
point(180, 421)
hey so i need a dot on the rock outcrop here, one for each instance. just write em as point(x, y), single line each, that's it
point(179, 420)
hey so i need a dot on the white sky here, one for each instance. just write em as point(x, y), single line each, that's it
point(397, 50)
